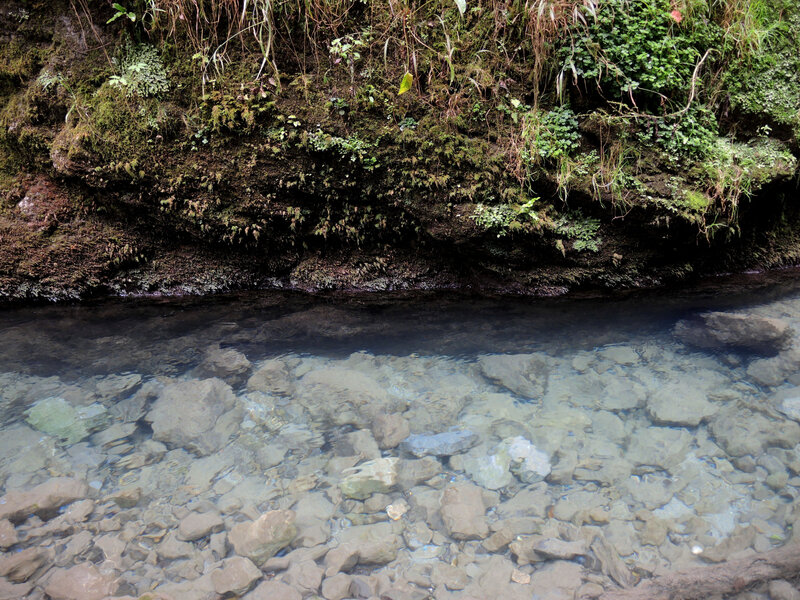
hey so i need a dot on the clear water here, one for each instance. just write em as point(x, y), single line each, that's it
point(603, 449)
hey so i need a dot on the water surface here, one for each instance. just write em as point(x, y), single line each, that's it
point(594, 448)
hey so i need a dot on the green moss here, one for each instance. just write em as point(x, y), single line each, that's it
point(696, 201)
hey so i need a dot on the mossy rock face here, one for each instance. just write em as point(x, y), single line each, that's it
point(57, 417)
point(582, 155)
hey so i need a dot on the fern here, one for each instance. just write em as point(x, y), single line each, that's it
point(141, 71)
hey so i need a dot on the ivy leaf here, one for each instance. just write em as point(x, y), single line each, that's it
point(405, 84)
point(462, 6)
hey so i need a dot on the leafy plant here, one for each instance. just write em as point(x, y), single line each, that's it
point(140, 71)
point(121, 12)
point(232, 112)
point(502, 218)
point(632, 48)
point(352, 148)
point(581, 230)
point(549, 136)
point(348, 49)
point(690, 134)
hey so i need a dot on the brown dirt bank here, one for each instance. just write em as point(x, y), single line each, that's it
point(126, 169)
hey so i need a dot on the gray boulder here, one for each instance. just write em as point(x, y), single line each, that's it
point(722, 330)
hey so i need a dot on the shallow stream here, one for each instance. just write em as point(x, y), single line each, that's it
point(278, 447)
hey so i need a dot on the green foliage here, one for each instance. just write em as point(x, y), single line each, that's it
point(235, 112)
point(766, 83)
point(549, 136)
point(581, 230)
point(696, 201)
point(632, 48)
point(688, 134)
point(352, 149)
point(121, 12)
point(502, 218)
point(348, 49)
point(140, 71)
point(735, 170)
point(496, 217)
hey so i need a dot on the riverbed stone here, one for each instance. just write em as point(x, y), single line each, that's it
point(304, 576)
point(81, 582)
point(660, 448)
point(57, 417)
point(343, 397)
point(463, 512)
point(273, 590)
point(554, 548)
point(336, 587)
point(172, 548)
point(746, 331)
point(198, 415)
point(415, 471)
point(42, 499)
point(741, 433)
point(227, 364)
point(787, 401)
point(8, 534)
point(237, 576)
point(680, 404)
point(389, 430)
point(18, 567)
point(528, 463)
point(780, 589)
point(273, 377)
point(522, 374)
point(373, 476)
point(491, 470)
point(620, 354)
point(261, 539)
point(375, 544)
point(359, 443)
point(14, 591)
point(199, 525)
point(557, 580)
point(439, 444)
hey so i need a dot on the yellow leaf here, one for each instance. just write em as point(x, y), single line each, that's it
point(405, 84)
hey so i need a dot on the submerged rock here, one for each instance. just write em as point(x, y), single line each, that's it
point(718, 330)
point(18, 567)
point(343, 397)
point(522, 374)
point(199, 415)
point(741, 433)
point(513, 456)
point(527, 462)
point(43, 499)
point(273, 590)
point(463, 512)
point(390, 430)
point(81, 582)
point(439, 444)
point(8, 534)
point(236, 576)
point(57, 417)
point(680, 404)
point(491, 471)
point(261, 539)
point(375, 544)
point(788, 402)
point(226, 363)
point(199, 525)
point(373, 476)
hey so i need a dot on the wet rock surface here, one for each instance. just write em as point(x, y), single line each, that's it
point(551, 471)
